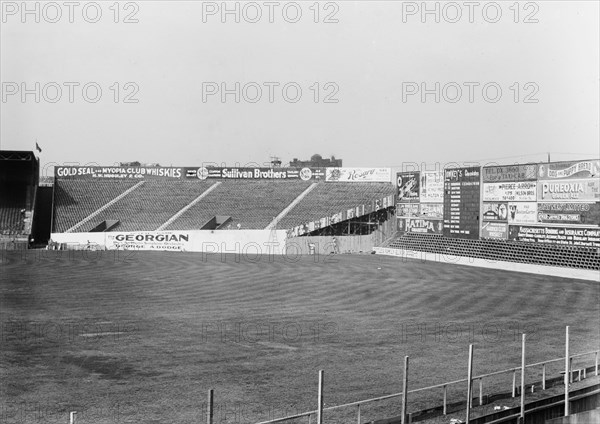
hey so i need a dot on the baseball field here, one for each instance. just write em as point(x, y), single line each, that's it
point(141, 337)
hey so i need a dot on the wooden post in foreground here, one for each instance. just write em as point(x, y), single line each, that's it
point(567, 372)
point(72, 415)
point(320, 399)
point(469, 384)
point(405, 391)
point(523, 379)
point(210, 406)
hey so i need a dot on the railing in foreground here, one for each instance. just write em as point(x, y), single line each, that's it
point(568, 372)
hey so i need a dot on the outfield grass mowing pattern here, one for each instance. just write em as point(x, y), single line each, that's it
point(136, 339)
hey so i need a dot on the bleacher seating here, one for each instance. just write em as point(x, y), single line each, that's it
point(252, 204)
point(501, 250)
point(75, 199)
point(327, 199)
point(150, 205)
point(12, 202)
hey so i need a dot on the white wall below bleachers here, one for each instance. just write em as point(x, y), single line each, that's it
point(246, 242)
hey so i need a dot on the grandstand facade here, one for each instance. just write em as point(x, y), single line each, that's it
point(187, 199)
point(540, 214)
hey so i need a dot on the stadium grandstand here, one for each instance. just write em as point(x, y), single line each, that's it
point(463, 212)
point(82, 204)
point(19, 175)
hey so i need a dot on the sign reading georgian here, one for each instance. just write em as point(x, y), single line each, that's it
point(146, 240)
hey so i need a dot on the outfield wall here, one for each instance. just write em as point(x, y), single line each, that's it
point(583, 274)
point(246, 242)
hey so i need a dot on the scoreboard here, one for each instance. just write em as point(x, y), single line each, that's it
point(462, 202)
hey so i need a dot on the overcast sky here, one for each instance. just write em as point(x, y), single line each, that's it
point(372, 60)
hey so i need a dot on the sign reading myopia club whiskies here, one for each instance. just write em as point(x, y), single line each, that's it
point(118, 172)
point(461, 202)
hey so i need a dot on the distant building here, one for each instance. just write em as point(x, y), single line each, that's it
point(137, 164)
point(317, 161)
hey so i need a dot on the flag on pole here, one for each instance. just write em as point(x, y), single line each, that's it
point(37, 146)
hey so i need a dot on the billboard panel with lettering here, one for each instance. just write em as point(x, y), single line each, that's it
point(432, 187)
point(589, 237)
point(408, 186)
point(569, 190)
point(421, 225)
point(510, 192)
point(495, 211)
point(572, 169)
point(358, 175)
point(569, 213)
point(494, 230)
point(522, 212)
point(492, 174)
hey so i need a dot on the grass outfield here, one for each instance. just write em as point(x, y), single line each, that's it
point(141, 339)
